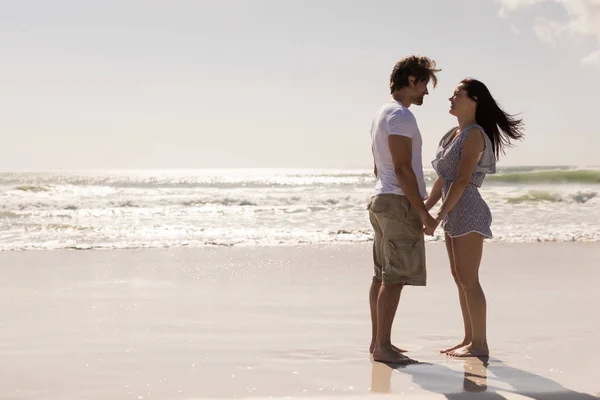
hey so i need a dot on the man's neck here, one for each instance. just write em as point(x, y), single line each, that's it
point(402, 97)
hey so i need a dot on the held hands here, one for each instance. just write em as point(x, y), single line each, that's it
point(429, 223)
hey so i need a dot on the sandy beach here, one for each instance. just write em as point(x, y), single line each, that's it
point(281, 322)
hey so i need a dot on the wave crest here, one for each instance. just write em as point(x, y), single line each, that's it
point(555, 177)
point(546, 195)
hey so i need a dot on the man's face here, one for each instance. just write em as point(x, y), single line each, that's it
point(419, 92)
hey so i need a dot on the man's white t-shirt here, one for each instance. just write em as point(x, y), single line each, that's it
point(395, 119)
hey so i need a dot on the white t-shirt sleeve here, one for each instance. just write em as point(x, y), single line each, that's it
point(402, 123)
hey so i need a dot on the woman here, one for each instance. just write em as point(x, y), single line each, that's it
point(465, 155)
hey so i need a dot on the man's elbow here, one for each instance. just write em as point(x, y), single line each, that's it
point(403, 169)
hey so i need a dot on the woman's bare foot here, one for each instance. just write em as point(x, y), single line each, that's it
point(391, 356)
point(458, 346)
point(470, 350)
point(396, 349)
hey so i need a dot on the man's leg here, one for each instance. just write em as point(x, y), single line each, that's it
point(383, 296)
point(376, 281)
point(373, 295)
point(387, 304)
point(378, 259)
point(406, 230)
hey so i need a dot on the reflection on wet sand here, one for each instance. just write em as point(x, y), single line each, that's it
point(453, 384)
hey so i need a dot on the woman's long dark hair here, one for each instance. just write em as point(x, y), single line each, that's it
point(497, 124)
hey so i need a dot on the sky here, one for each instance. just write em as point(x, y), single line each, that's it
point(134, 84)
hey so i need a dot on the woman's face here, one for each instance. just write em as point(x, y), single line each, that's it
point(460, 103)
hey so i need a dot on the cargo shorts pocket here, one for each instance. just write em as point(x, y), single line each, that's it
point(404, 257)
point(379, 205)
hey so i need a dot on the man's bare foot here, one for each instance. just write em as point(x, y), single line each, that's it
point(396, 349)
point(470, 350)
point(390, 356)
point(458, 346)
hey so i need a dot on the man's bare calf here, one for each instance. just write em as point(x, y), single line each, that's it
point(384, 299)
point(373, 297)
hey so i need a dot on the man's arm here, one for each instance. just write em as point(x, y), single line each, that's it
point(374, 165)
point(401, 149)
point(436, 193)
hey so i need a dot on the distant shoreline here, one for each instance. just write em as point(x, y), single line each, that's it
point(280, 169)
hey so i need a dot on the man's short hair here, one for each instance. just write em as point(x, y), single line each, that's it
point(421, 67)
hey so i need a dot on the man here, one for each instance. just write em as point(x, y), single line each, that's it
point(396, 210)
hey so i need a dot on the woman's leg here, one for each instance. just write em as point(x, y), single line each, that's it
point(461, 296)
point(467, 251)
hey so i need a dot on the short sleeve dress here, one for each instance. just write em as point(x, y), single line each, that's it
point(471, 213)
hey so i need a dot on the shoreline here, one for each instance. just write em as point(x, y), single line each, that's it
point(320, 245)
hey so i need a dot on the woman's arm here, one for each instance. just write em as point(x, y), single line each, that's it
point(474, 145)
point(436, 193)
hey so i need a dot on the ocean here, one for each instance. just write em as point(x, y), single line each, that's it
point(264, 207)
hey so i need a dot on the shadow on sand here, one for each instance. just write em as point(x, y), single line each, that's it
point(455, 385)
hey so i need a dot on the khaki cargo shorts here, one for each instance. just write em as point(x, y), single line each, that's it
point(399, 243)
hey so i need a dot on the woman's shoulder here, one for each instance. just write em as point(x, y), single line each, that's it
point(474, 135)
point(475, 128)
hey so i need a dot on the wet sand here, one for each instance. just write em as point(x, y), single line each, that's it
point(289, 322)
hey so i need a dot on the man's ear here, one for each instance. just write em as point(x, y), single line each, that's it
point(411, 81)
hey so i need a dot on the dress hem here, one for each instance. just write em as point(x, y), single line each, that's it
point(465, 234)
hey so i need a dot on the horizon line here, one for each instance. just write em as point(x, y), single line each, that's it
point(148, 169)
